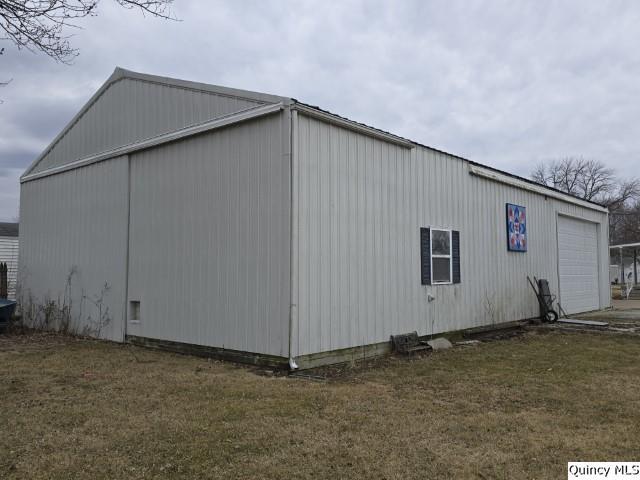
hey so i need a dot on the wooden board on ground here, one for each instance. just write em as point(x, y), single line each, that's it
point(586, 323)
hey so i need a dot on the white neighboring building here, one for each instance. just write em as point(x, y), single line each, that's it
point(615, 272)
point(622, 258)
point(9, 253)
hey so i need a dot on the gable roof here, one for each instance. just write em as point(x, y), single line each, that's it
point(235, 100)
point(9, 229)
point(268, 99)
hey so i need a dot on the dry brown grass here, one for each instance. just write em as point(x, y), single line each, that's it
point(519, 408)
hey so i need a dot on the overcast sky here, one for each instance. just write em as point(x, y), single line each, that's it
point(503, 83)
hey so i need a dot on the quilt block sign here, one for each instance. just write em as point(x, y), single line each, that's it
point(516, 228)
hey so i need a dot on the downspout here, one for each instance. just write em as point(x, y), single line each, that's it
point(126, 252)
point(293, 276)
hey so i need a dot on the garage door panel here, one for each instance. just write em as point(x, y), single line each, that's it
point(578, 265)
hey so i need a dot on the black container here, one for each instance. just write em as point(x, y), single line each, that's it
point(7, 307)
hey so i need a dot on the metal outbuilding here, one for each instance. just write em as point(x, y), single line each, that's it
point(200, 218)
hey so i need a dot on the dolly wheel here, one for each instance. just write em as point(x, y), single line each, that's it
point(551, 316)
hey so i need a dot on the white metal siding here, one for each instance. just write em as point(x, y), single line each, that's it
point(9, 255)
point(361, 204)
point(209, 238)
point(77, 219)
point(578, 265)
point(132, 110)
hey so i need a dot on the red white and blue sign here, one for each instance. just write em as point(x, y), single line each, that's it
point(516, 228)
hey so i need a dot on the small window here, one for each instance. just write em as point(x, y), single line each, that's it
point(441, 256)
point(134, 311)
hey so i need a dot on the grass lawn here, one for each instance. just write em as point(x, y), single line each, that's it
point(518, 408)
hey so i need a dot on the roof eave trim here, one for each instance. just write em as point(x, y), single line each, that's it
point(626, 245)
point(213, 124)
point(351, 125)
point(540, 189)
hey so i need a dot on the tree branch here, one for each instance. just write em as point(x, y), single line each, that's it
point(592, 180)
point(41, 25)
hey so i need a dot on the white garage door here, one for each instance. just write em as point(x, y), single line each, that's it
point(578, 265)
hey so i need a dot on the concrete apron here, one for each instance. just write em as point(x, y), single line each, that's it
point(618, 322)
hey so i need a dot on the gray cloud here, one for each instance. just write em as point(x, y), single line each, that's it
point(15, 160)
point(503, 83)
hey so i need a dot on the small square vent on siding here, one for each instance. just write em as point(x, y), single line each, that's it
point(134, 310)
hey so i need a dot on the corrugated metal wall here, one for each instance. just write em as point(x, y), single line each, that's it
point(209, 238)
point(361, 204)
point(77, 220)
point(9, 255)
point(131, 110)
point(209, 230)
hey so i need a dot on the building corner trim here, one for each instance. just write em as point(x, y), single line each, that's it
point(293, 262)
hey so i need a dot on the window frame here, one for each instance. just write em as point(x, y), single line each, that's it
point(450, 256)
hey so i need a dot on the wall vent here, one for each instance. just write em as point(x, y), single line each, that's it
point(134, 311)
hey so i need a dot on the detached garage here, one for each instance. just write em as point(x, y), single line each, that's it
point(205, 219)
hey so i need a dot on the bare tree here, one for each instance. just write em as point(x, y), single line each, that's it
point(592, 180)
point(561, 174)
point(588, 179)
point(626, 192)
point(3, 83)
point(624, 224)
point(42, 25)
